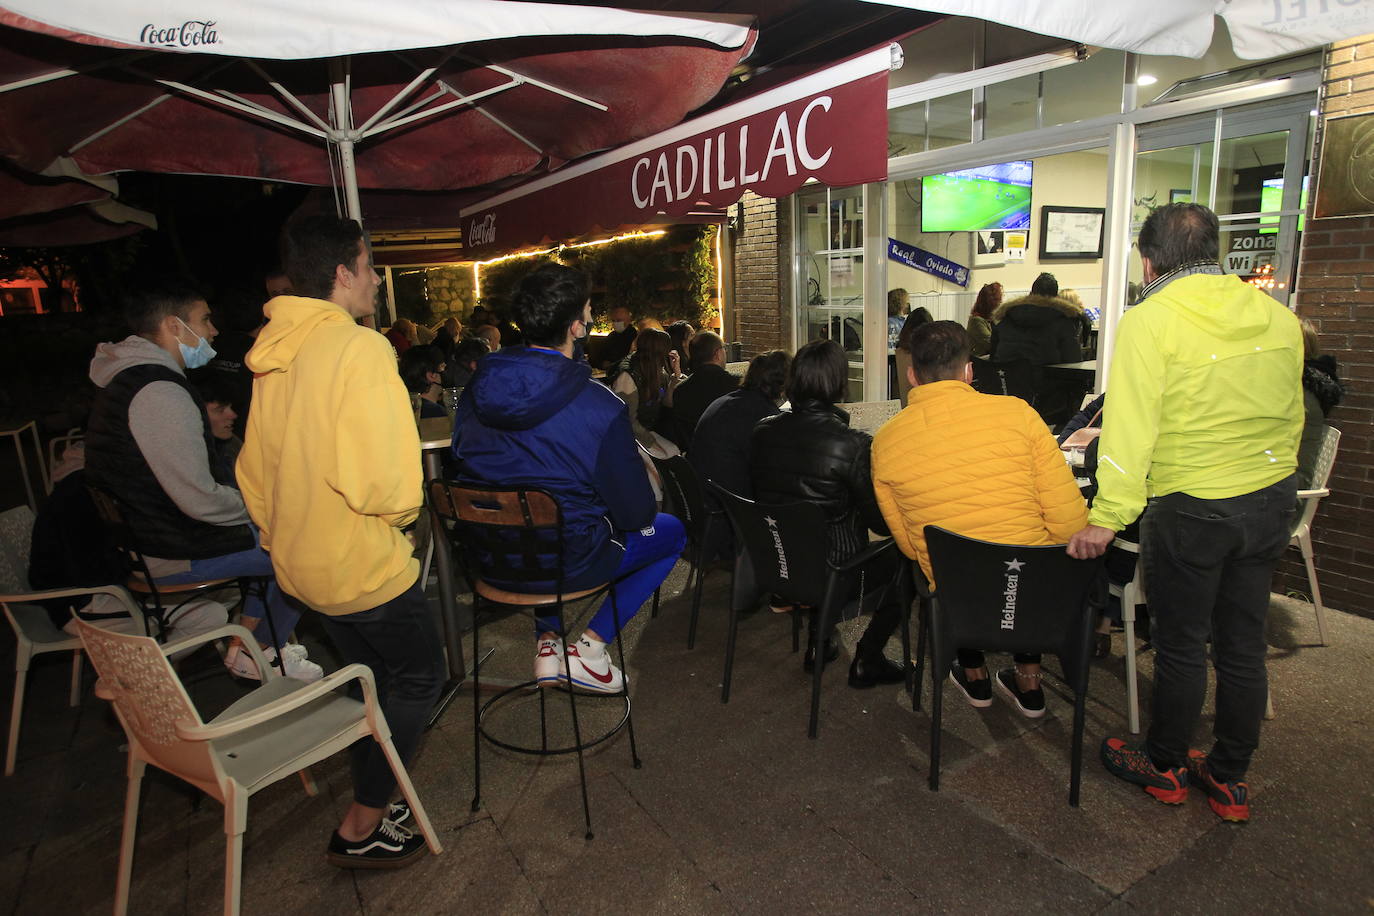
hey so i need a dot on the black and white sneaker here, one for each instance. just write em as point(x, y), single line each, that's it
point(389, 846)
point(1030, 703)
point(398, 812)
point(978, 693)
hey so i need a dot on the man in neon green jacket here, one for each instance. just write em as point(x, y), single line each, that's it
point(1206, 412)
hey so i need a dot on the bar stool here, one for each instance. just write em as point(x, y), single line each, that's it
point(502, 531)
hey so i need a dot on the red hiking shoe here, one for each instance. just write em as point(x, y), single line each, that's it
point(1134, 765)
point(1230, 800)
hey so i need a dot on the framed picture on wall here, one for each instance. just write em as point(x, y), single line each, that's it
point(1180, 196)
point(1071, 233)
point(1345, 182)
point(990, 248)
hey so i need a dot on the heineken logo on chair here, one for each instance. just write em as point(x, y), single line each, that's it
point(1009, 590)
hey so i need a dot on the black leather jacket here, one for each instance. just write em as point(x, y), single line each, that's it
point(811, 454)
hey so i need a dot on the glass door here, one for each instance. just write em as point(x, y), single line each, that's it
point(830, 271)
point(1250, 165)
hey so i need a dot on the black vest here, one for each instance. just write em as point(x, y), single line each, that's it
point(115, 464)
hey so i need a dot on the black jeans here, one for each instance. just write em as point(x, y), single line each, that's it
point(400, 643)
point(1208, 566)
point(874, 592)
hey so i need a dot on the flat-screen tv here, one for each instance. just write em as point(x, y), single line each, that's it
point(1271, 198)
point(969, 200)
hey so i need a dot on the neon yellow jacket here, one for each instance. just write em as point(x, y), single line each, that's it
point(1204, 397)
point(330, 466)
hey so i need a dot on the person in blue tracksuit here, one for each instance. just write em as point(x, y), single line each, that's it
point(531, 416)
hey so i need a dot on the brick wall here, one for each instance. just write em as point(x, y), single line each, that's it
point(762, 293)
point(1335, 288)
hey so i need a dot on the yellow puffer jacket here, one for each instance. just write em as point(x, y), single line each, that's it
point(980, 465)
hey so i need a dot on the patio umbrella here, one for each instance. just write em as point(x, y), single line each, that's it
point(411, 94)
point(43, 211)
point(1182, 28)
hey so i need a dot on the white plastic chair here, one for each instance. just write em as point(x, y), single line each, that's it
point(17, 436)
point(1302, 529)
point(279, 729)
point(1131, 594)
point(34, 632)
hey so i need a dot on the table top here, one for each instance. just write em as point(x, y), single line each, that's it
point(436, 432)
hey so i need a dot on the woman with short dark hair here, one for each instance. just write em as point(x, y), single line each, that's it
point(810, 454)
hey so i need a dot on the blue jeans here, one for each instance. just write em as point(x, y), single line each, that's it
point(648, 560)
point(280, 610)
point(399, 642)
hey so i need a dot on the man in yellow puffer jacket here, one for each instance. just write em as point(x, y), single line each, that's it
point(330, 471)
point(984, 466)
point(1206, 412)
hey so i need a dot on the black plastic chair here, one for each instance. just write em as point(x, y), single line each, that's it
point(781, 549)
point(153, 596)
point(502, 532)
point(684, 498)
point(1008, 598)
point(1016, 377)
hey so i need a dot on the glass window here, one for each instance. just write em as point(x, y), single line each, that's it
point(1011, 107)
point(1087, 89)
point(950, 120)
point(830, 241)
point(1173, 175)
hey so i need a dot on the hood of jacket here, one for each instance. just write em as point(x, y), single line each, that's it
point(1035, 311)
point(521, 387)
point(113, 358)
point(1222, 305)
point(291, 319)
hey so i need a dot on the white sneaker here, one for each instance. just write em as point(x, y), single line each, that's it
point(592, 669)
point(241, 664)
point(297, 665)
point(548, 662)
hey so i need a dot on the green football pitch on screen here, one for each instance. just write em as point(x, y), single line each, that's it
point(954, 203)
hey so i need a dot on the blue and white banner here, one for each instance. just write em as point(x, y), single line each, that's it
point(928, 261)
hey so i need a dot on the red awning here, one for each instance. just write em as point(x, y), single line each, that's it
point(830, 125)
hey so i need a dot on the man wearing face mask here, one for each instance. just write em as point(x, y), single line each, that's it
point(621, 338)
point(150, 445)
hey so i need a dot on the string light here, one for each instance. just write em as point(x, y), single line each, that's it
point(1264, 279)
point(555, 251)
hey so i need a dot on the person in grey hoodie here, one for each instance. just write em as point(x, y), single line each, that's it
point(149, 445)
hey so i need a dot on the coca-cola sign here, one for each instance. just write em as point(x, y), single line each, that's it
point(192, 33)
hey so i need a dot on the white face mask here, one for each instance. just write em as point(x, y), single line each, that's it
point(197, 356)
point(618, 326)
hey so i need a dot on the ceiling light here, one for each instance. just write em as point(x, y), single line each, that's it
point(1146, 79)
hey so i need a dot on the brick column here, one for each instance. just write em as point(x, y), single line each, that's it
point(1335, 288)
point(762, 293)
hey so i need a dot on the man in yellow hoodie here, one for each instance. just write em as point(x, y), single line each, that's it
point(330, 472)
point(981, 465)
point(1206, 412)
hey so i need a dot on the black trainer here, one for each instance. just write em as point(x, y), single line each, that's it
point(978, 693)
point(866, 672)
point(1030, 703)
point(398, 812)
point(389, 846)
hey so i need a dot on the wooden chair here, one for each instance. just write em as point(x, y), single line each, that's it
point(278, 729)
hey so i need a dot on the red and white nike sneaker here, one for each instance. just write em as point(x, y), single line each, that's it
point(548, 662)
point(591, 667)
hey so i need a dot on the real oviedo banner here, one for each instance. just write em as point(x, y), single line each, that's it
point(810, 128)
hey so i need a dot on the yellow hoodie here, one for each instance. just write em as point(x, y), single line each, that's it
point(330, 467)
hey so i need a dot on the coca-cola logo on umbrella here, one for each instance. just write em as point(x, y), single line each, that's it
point(190, 34)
